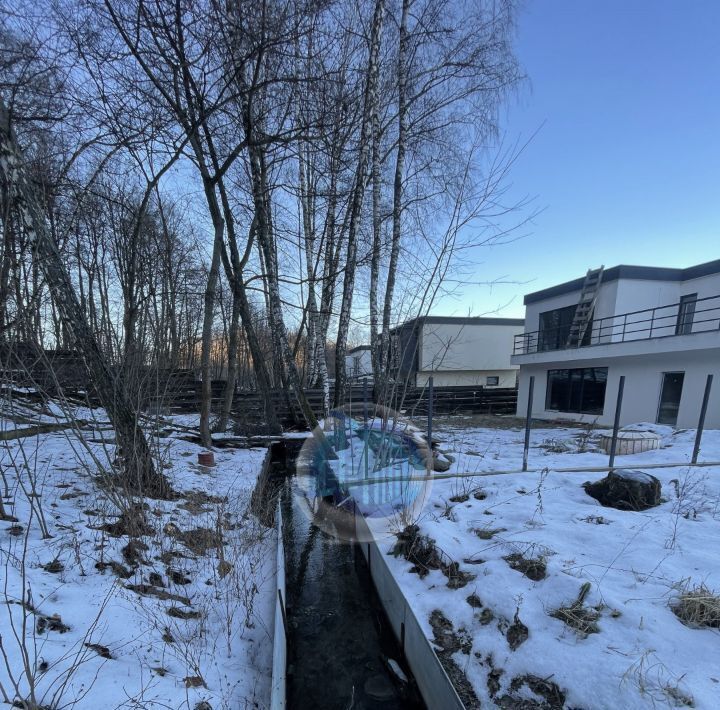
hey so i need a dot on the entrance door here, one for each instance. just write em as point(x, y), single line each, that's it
point(670, 393)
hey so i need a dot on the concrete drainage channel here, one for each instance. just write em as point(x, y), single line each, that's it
point(341, 649)
point(433, 682)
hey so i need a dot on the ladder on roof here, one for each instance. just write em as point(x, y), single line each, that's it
point(585, 307)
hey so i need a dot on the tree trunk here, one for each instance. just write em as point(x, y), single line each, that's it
point(383, 354)
point(138, 468)
point(232, 367)
point(356, 201)
point(330, 270)
point(265, 241)
point(234, 267)
point(208, 310)
point(376, 250)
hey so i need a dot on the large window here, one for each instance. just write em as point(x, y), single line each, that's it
point(580, 390)
point(555, 328)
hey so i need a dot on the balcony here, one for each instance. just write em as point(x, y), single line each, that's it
point(688, 317)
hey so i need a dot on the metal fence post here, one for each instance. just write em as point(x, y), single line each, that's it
point(701, 422)
point(616, 423)
point(365, 424)
point(365, 402)
point(430, 423)
point(528, 420)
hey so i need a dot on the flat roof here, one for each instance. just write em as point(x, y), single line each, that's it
point(358, 348)
point(459, 320)
point(623, 271)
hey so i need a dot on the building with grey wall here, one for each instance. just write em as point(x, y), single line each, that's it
point(455, 351)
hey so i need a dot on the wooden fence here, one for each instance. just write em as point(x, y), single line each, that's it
point(457, 400)
point(248, 406)
point(177, 390)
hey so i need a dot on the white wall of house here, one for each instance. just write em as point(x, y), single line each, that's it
point(358, 364)
point(636, 294)
point(643, 381)
point(624, 295)
point(468, 347)
point(467, 354)
point(487, 379)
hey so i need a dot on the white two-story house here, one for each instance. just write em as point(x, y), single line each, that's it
point(659, 327)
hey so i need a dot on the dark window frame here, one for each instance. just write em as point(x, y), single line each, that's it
point(686, 314)
point(496, 382)
point(567, 391)
point(554, 328)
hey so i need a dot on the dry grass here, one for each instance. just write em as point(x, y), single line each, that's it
point(577, 616)
point(534, 568)
point(580, 618)
point(424, 555)
point(698, 607)
point(487, 533)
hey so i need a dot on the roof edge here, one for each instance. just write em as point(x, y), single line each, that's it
point(458, 320)
point(625, 271)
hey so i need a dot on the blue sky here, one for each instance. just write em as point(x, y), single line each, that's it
point(626, 164)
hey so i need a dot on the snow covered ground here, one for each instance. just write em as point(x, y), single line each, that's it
point(616, 574)
point(540, 596)
point(172, 618)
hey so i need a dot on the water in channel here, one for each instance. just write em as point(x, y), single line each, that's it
point(338, 637)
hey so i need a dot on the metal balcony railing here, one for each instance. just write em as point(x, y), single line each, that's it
point(685, 318)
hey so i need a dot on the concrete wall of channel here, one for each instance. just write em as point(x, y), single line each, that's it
point(432, 681)
point(279, 661)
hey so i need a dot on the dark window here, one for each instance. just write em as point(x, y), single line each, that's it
point(686, 313)
point(580, 390)
point(555, 328)
point(670, 393)
point(492, 381)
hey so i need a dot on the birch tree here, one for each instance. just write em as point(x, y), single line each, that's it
point(353, 217)
point(454, 65)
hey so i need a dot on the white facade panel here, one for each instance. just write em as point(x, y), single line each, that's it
point(674, 344)
point(470, 348)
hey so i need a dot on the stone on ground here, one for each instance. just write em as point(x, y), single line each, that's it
point(626, 489)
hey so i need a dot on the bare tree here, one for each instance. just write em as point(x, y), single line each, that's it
point(180, 69)
point(370, 100)
point(139, 470)
point(454, 65)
